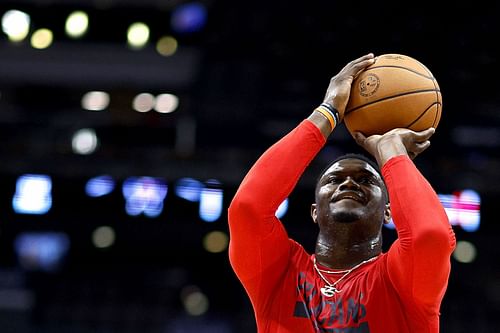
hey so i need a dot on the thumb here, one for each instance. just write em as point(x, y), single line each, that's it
point(359, 138)
point(426, 134)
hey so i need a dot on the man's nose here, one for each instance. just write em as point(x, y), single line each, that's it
point(348, 183)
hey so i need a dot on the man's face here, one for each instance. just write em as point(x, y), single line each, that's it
point(350, 190)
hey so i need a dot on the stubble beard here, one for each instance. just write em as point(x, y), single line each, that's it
point(346, 216)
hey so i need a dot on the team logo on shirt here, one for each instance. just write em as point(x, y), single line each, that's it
point(339, 315)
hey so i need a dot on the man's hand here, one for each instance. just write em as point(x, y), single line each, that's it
point(399, 141)
point(339, 88)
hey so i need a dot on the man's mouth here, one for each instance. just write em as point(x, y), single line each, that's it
point(350, 196)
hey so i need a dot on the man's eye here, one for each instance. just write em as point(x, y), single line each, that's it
point(334, 180)
point(367, 180)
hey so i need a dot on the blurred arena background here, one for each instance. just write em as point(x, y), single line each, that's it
point(126, 127)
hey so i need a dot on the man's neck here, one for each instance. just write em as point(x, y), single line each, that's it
point(338, 254)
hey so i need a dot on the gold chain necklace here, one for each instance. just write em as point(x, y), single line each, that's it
point(330, 289)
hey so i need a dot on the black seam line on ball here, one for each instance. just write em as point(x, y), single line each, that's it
point(393, 96)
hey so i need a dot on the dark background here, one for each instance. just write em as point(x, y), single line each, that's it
point(248, 77)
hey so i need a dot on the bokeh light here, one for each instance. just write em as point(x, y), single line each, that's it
point(77, 24)
point(95, 101)
point(138, 35)
point(166, 103)
point(16, 25)
point(465, 252)
point(143, 102)
point(216, 241)
point(103, 237)
point(167, 46)
point(84, 141)
point(42, 39)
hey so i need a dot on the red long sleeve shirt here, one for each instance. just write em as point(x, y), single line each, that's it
point(399, 292)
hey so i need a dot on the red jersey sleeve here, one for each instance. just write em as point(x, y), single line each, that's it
point(419, 260)
point(259, 247)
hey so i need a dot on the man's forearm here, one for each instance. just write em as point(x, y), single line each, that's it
point(253, 226)
point(388, 149)
point(277, 171)
point(419, 263)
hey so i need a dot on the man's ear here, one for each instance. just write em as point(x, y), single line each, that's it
point(314, 213)
point(387, 214)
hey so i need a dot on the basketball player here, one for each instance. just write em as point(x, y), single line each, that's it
point(348, 284)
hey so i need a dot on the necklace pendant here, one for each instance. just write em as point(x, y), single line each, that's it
point(329, 291)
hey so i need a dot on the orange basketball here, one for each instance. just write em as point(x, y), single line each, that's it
point(395, 91)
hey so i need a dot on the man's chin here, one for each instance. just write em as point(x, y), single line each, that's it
point(347, 216)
